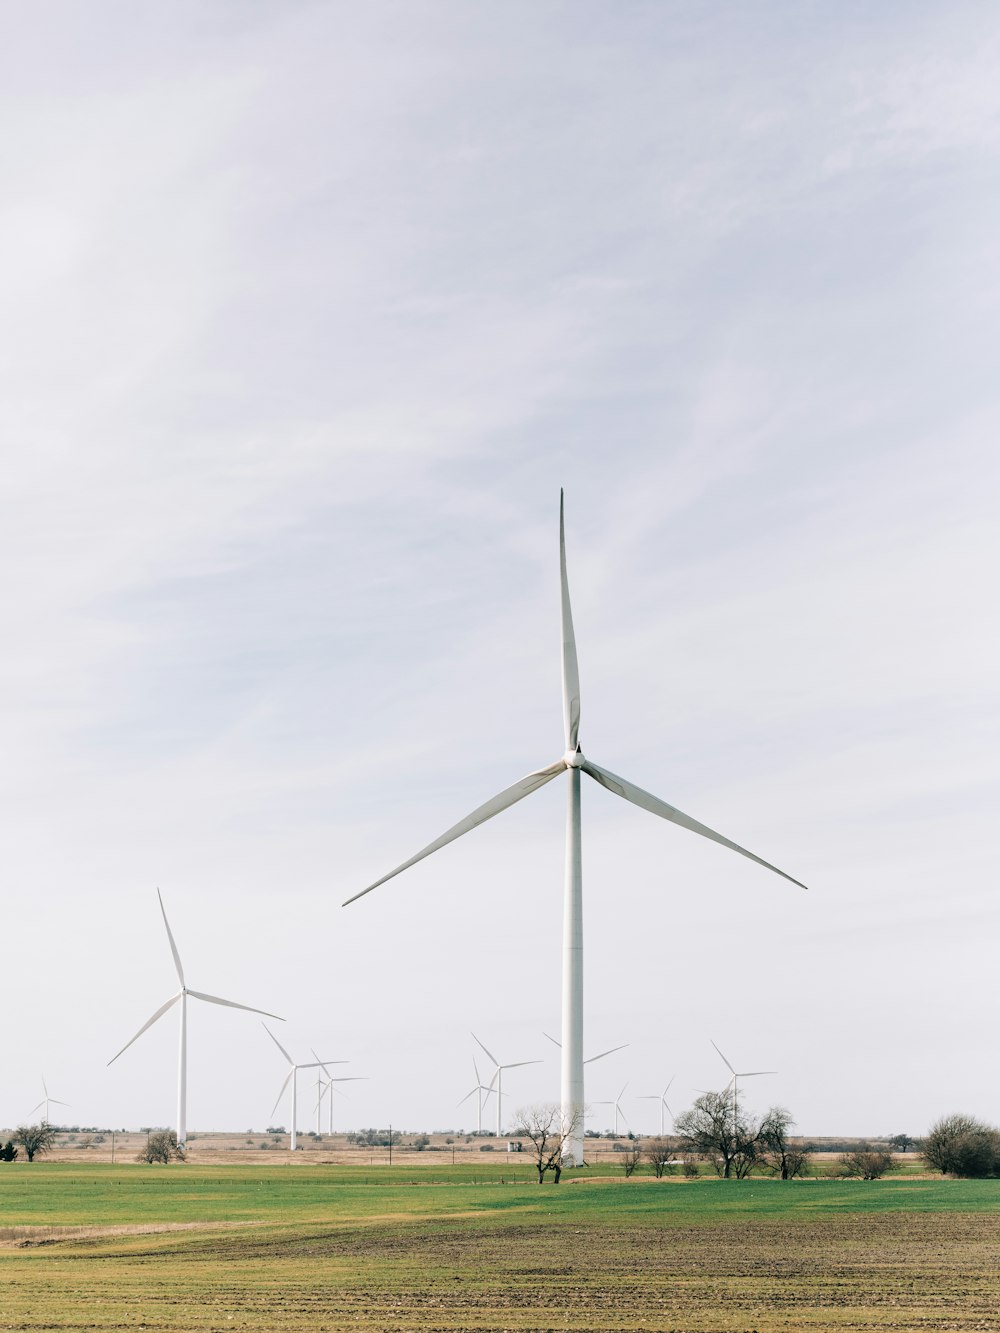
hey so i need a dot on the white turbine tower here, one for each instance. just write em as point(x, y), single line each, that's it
point(617, 1104)
point(292, 1077)
point(45, 1102)
point(572, 763)
point(746, 1073)
point(479, 1087)
point(498, 1075)
point(660, 1097)
point(182, 998)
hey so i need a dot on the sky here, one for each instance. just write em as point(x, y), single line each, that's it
point(311, 309)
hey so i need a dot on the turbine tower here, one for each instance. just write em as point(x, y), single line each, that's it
point(182, 997)
point(498, 1075)
point(45, 1102)
point(572, 763)
point(292, 1077)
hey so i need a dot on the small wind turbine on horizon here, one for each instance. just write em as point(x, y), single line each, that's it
point(481, 1088)
point(747, 1073)
point(45, 1102)
point(292, 1077)
point(660, 1097)
point(182, 998)
point(498, 1075)
point(572, 763)
point(322, 1088)
point(618, 1108)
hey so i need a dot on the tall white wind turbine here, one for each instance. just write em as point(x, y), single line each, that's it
point(660, 1097)
point(45, 1102)
point(182, 998)
point(745, 1073)
point(292, 1077)
point(498, 1075)
point(572, 763)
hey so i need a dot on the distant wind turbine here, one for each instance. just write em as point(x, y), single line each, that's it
point(572, 763)
point(498, 1075)
point(322, 1088)
point(660, 1097)
point(479, 1087)
point(45, 1102)
point(292, 1077)
point(182, 998)
point(746, 1073)
point(617, 1104)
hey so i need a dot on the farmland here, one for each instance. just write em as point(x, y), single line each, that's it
point(282, 1247)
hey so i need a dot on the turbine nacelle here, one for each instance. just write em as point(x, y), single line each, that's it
point(573, 758)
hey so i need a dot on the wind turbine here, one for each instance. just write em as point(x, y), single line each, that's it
point(618, 1108)
point(748, 1073)
point(479, 1087)
point(572, 763)
point(323, 1088)
point(182, 998)
point(292, 1077)
point(660, 1097)
point(498, 1075)
point(45, 1102)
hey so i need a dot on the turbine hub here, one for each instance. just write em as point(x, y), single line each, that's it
point(574, 758)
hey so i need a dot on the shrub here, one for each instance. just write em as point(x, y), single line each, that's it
point(161, 1147)
point(959, 1145)
point(867, 1162)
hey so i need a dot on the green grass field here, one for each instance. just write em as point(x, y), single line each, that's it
point(449, 1248)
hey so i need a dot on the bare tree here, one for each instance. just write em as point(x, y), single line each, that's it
point(776, 1149)
point(867, 1162)
point(162, 1147)
point(543, 1124)
point(35, 1139)
point(659, 1154)
point(714, 1129)
point(631, 1158)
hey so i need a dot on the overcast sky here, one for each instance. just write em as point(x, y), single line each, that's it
point(309, 311)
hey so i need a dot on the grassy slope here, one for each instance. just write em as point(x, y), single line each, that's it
point(317, 1248)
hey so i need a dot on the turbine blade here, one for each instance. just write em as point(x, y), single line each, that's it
point(476, 1068)
point(288, 1079)
point(554, 1042)
point(465, 1098)
point(509, 796)
point(44, 1089)
point(35, 1108)
point(750, 1073)
point(321, 1064)
point(231, 1004)
point(489, 1053)
point(724, 1060)
point(629, 792)
point(604, 1053)
point(352, 1078)
point(519, 1063)
point(170, 937)
point(148, 1024)
point(570, 666)
point(279, 1046)
point(56, 1102)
